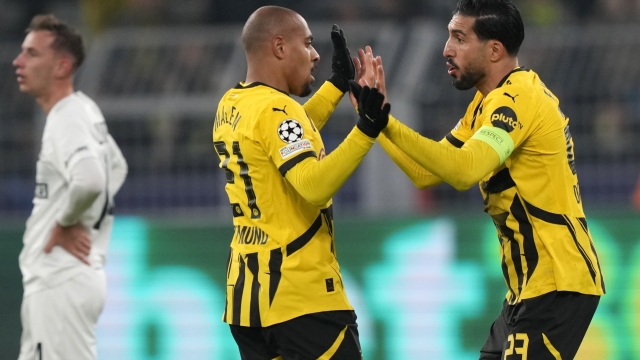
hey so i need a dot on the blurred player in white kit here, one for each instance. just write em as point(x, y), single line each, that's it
point(79, 170)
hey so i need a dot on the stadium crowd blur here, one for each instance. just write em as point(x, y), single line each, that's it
point(607, 134)
point(97, 15)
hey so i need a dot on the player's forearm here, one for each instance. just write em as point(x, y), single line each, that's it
point(87, 182)
point(420, 177)
point(462, 168)
point(317, 181)
point(322, 104)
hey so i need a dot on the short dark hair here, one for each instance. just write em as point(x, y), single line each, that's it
point(495, 20)
point(67, 38)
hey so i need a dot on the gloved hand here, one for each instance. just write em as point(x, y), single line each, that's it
point(342, 68)
point(374, 117)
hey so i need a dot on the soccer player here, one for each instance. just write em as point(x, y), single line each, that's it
point(79, 170)
point(285, 295)
point(515, 142)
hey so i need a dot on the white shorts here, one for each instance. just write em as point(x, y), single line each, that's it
point(60, 323)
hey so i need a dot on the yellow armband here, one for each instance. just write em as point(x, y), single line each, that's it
point(498, 139)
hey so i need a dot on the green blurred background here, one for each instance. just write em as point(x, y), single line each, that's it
point(423, 287)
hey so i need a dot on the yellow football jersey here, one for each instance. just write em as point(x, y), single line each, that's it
point(534, 197)
point(282, 262)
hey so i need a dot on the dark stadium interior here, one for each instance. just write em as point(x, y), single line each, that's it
point(157, 69)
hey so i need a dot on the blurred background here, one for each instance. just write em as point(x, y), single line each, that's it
point(421, 267)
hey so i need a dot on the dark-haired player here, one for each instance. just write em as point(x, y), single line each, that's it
point(515, 142)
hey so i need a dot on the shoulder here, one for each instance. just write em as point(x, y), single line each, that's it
point(76, 108)
point(286, 105)
point(276, 106)
point(509, 105)
point(519, 87)
point(516, 92)
point(511, 93)
point(261, 99)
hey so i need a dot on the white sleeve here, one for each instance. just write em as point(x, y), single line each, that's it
point(119, 167)
point(88, 180)
point(72, 140)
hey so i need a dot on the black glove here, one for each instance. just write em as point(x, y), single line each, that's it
point(374, 117)
point(342, 68)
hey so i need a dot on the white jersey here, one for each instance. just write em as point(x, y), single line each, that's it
point(75, 129)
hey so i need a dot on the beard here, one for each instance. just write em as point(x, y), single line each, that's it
point(469, 78)
point(306, 90)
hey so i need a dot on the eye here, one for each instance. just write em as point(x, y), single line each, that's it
point(460, 40)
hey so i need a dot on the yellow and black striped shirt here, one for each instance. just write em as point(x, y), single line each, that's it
point(282, 261)
point(534, 197)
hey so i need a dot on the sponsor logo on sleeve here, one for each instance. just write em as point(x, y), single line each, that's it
point(290, 131)
point(102, 131)
point(505, 118)
point(295, 148)
point(41, 191)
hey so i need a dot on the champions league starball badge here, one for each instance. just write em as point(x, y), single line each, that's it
point(290, 131)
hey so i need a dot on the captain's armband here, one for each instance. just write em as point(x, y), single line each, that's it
point(498, 139)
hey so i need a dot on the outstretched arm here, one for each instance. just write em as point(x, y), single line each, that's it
point(324, 102)
point(427, 161)
point(369, 70)
point(317, 181)
point(420, 177)
point(461, 167)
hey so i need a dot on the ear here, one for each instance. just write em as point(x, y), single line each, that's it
point(497, 51)
point(278, 47)
point(64, 67)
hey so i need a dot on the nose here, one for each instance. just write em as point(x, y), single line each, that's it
point(315, 57)
point(448, 51)
point(16, 62)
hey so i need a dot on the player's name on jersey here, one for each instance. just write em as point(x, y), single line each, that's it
point(229, 116)
point(250, 235)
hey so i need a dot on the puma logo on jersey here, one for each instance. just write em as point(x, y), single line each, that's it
point(505, 118)
point(284, 109)
point(512, 97)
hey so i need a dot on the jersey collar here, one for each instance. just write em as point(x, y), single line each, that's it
point(242, 85)
point(518, 69)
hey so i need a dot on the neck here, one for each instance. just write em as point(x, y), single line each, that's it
point(268, 74)
point(496, 74)
point(56, 93)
